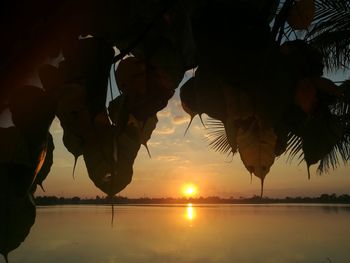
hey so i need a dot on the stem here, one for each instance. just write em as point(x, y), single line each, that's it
point(280, 20)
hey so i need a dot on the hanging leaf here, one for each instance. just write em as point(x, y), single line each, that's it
point(168, 58)
point(46, 166)
point(327, 92)
point(305, 95)
point(115, 107)
point(188, 100)
point(305, 61)
point(271, 91)
point(301, 14)
point(16, 165)
point(131, 76)
point(13, 146)
point(32, 111)
point(231, 132)
point(20, 160)
point(50, 78)
point(146, 131)
point(72, 110)
point(256, 146)
point(109, 157)
point(17, 218)
point(147, 88)
point(209, 95)
point(87, 63)
point(240, 105)
point(320, 135)
point(102, 119)
point(118, 112)
point(74, 144)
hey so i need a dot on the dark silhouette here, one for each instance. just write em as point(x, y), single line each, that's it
point(121, 200)
point(259, 73)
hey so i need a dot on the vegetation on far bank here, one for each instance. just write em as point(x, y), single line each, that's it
point(322, 199)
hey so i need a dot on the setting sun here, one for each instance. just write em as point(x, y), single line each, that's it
point(189, 190)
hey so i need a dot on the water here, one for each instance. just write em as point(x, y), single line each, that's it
point(215, 233)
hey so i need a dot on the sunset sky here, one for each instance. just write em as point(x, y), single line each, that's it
point(178, 160)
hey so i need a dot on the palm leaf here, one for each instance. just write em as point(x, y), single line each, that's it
point(294, 147)
point(341, 150)
point(217, 137)
point(330, 32)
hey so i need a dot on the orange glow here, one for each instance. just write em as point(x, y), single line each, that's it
point(189, 190)
point(190, 214)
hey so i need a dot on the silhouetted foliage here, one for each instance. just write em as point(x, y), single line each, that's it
point(258, 72)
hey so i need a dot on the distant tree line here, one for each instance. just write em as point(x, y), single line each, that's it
point(322, 199)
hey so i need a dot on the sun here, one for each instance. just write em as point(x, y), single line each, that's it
point(189, 190)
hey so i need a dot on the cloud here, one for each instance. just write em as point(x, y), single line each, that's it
point(153, 143)
point(167, 158)
point(164, 113)
point(164, 131)
point(177, 105)
point(180, 119)
point(62, 162)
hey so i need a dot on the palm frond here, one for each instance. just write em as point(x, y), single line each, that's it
point(294, 147)
point(330, 32)
point(217, 137)
point(341, 150)
point(339, 153)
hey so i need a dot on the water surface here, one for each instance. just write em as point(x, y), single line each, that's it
point(214, 233)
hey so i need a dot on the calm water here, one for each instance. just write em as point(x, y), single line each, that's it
point(225, 233)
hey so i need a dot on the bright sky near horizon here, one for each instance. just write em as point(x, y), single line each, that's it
point(178, 160)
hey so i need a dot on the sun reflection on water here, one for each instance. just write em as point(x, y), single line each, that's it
point(190, 213)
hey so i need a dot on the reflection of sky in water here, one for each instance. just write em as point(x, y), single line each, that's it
point(221, 234)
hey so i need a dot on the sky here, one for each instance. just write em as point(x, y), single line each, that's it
point(178, 160)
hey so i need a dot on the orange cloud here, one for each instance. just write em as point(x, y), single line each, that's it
point(180, 119)
point(165, 131)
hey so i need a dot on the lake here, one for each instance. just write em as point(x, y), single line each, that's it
point(188, 233)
